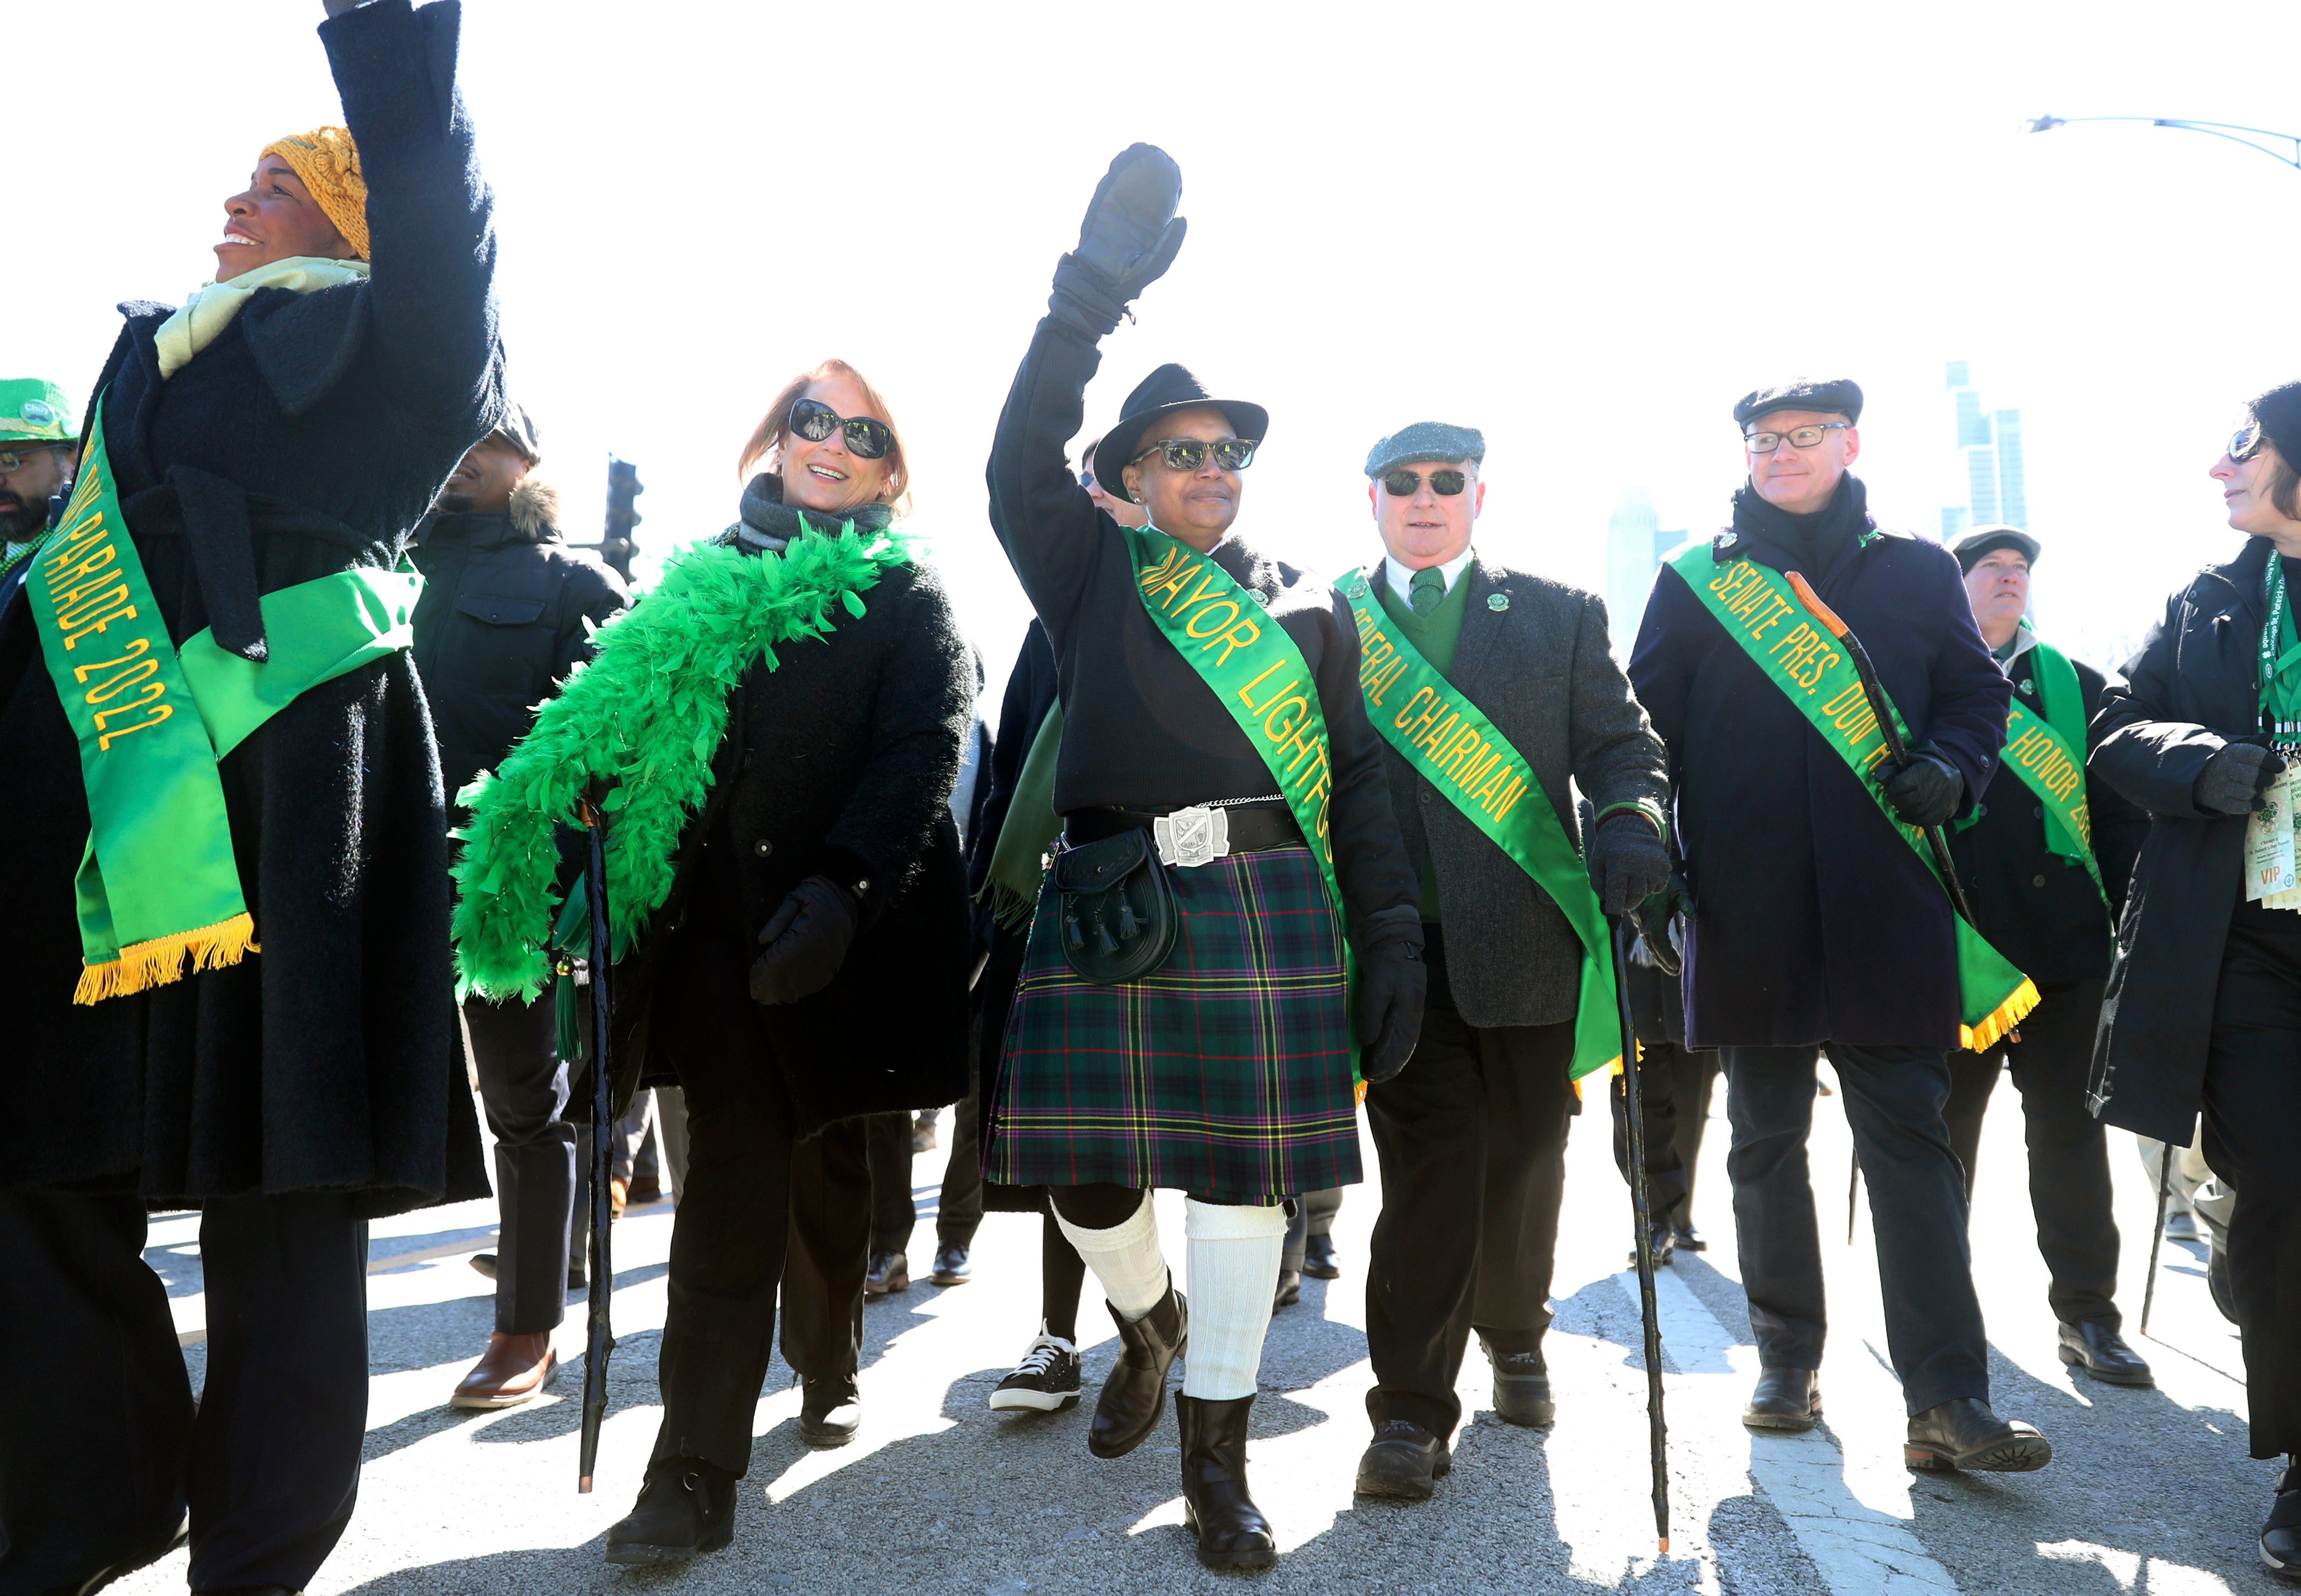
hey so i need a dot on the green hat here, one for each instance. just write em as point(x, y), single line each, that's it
point(34, 411)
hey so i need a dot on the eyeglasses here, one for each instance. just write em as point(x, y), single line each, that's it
point(814, 420)
point(1405, 484)
point(16, 460)
point(1189, 454)
point(1798, 438)
point(2246, 443)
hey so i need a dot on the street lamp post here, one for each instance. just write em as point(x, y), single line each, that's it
point(2228, 130)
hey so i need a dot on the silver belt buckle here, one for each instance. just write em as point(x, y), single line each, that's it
point(1198, 835)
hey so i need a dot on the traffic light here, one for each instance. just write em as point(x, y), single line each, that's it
point(617, 545)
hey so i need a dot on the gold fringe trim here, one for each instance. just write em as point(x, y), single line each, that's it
point(2009, 1014)
point(156, 962)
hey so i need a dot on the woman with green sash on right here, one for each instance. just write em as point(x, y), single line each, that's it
point(1184, 1017)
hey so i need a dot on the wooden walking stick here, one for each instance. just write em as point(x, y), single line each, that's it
point(2156, 1242)
point(1657, 1431)
point(599, 1344)
point(1937, 841)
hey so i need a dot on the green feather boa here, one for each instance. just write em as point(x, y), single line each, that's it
point(644, 717)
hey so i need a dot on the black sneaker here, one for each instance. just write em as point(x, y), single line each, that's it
point(889, 1272)
point(1047, 1380)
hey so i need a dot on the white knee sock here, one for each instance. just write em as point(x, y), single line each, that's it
point(1125, 1259)
point(1233, 1272)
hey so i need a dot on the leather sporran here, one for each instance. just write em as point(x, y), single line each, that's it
point(1115, 910)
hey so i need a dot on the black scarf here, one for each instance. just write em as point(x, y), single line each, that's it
point(1818, 538)
point(768, 523)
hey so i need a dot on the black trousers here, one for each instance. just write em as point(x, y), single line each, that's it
point(887, 1141)
point(100, 1452)
point(830, 1244)
point(524, 1087)
point(752, 1191)
point(2252, 1126)
point(1472, 1139)
point(958, 1214)
point(1894, 1100)
point(2070, 1194)
point(1674, 1088)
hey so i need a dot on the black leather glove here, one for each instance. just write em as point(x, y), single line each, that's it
point(1657, 917)
point(1923, 787)
point(806, 938)
point(2235, 779)
point(1128, 240)
point(1627, 863)
point(1393, 981)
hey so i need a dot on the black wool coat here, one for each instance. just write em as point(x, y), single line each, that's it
point(2189, 690)
point(1815, 921)
point(1542, 670)
point(2038, 909)
point(500, 624)
point(840, 763)
point(309, 438)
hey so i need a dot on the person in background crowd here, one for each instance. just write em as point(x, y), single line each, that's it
point(38, 450)
point(249, 478)
point(1472, 1137)
point(2203, 1006)
point(2045, 856)
point(506, 613)
point(1817, 920)
point(1310, 1248)
point(798, 925)
point(1674, 1085)
point(1199, 861)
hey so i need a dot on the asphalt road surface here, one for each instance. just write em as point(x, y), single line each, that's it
point(2149, 1490)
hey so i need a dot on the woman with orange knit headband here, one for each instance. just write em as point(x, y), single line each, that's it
point(223, 932)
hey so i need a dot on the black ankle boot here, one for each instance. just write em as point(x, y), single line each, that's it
point(686, 1507)
point(2281, 1537)
point(1231, 1532)
point(1134, 1391)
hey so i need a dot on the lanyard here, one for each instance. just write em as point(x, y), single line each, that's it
point(2280, 651)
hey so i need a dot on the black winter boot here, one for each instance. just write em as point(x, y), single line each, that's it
point(2281, 1537)
point(686, 1507)
point(1231, 1532)
point(1134, 1391)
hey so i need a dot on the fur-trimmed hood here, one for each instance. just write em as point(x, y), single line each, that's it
point(534, 512)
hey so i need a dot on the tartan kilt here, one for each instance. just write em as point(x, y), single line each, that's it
point(1225, 1073)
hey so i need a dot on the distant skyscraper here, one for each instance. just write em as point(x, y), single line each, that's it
point(1636, 546)
point(1989, 450)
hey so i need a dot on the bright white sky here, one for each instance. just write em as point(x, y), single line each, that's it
point(1584, 228)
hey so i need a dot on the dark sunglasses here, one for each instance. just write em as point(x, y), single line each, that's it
point(1189, 454)
point(2246, 443)
point(814, 420)
point(1404, 484)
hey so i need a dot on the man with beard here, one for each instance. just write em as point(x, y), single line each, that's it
point(502, 621)
point(1817, 917)
point(37, 447)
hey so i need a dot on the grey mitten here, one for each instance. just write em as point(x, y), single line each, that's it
point(2235, 779)
point(1127, 240)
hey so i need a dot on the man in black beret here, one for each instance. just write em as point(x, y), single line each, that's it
point(2045, 856)
point(1817, 921)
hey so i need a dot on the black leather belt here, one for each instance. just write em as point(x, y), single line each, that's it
point(1253, 827)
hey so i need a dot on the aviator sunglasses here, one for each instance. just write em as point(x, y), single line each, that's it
point(2246, 443)
point(1189, 454)
point(1446, 482)
point(814, 420)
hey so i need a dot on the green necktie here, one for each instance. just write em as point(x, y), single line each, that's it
point(1429, 590)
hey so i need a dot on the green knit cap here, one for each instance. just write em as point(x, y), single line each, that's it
point(34, 411)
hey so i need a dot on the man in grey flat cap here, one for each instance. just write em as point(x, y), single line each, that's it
point(1818, 920)
point(1490, 688)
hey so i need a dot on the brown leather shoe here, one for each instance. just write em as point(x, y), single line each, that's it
point(510, 1372)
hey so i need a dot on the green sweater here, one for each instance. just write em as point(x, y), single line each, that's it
point(1433, 637)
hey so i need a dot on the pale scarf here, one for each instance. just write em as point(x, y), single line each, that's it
point(213, 306)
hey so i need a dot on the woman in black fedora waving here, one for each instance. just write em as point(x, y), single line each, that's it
point(1184, 1017)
